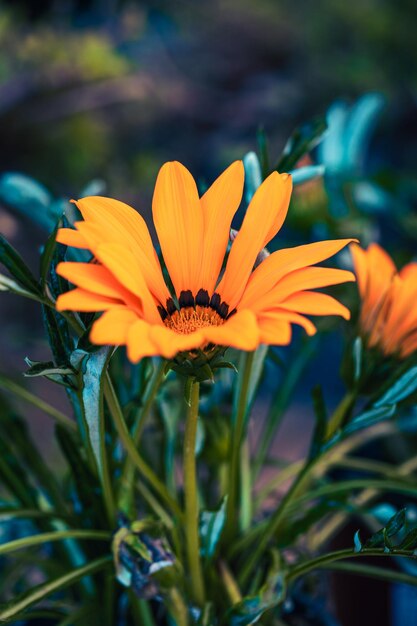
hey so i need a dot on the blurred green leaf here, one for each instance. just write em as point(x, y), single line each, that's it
point(381, 538)
point(92, 368)
point(19, 604)
point(88, 503)
point(211, 526)
point(12, 260)
point(302, 141)
point(47, 256)
point(321, 421)
point(401, 389)
point(28, 197)
point(261, 140)
point(7, 284)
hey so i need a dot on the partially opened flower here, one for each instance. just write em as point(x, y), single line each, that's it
point(242, 307)
point(388, 317)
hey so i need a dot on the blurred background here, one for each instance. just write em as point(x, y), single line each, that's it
point(95, 96)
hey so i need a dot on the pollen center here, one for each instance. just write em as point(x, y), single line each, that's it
point(189, 319)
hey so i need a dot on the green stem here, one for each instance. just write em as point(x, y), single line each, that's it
point(230, 584)
point(191, 498)
point(139, 463)
point(273, 525)
point(242, 395)
point(323, 560)
point(177, 607)
point(246, 487)
point(34, 540)
point(142, 613)
point(21, 392)
point(128, 473)
point(370, 571)
point(104, 471)
point(46, 589)
point(338, 417)
point(397, 486)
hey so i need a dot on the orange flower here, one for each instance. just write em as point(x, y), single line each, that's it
point(245, 308)
point(388, 316)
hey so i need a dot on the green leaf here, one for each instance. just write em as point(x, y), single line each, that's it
point(211, 527)
point(256, 372)
point(401, 389)
point(42, 538)
point(368, 418)
point(394, 525)
point(7, 284)
point(251, 608)
point(357, 542)
point(47, 255)
point(410, 540)
point(17, 434)
point(357, 352)
point(253, 175)
point(45, 368)
point(321, 421)
point(60, 340)
point(92, 368)
point(86, 485)
point(302, 141)
point(39, 593)
point(12, 260)
point(263, 152)
point(247, 611)
point(28, 197)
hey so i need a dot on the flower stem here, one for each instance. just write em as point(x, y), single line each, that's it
point(331, 557)
point(177, 607)
point(339, 415)
point(273, 524)
point(191, 498)
point(140, 464)
point(242, 394)
point(128, 473)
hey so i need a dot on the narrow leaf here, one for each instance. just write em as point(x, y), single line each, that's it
point(12, 260)
point(36, 594)
point(401, 389)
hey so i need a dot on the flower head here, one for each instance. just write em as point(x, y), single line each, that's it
point(388, 317)
point(241, 307)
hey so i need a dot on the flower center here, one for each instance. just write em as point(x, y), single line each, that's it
point(186, 321)
point(194, 313)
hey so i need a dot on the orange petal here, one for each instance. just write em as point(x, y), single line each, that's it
point(139, 344)
point(300, 280)
point(360, 265)
point(219, 204)
point(92, 277)
point(264, 217)
point(126, 269)
point(117, 222)
point(409, 273)
point(113, 326)
point(178, 219)
point(409, 345)
point(292, 318)
point(85, 301)
point(274, 331)
point(282, 262)
point(240, 331)
point(313, 303)
point(169, 343)
point(70, 237)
